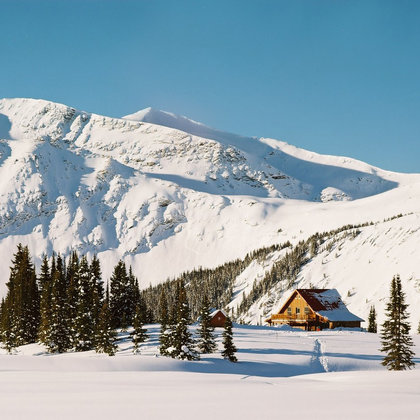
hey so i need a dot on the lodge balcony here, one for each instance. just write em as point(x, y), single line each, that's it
point(289, 318)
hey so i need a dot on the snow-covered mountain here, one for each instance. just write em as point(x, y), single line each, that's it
point(168, 194)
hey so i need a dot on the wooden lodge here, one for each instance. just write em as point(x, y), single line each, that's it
point(315, 309)
point(218, 318)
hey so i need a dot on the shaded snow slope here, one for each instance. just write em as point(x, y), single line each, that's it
point(321, 177)
point(167, 199)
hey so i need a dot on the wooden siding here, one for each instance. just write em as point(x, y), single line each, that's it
point(297, 303)
point(296, 312)
point(218, 319)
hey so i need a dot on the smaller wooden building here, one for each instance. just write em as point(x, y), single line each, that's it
point(315, 309)
point(218, 318)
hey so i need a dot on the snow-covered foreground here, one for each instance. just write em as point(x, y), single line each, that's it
point(333, 374)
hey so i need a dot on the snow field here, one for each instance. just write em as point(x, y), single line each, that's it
point(325, 375)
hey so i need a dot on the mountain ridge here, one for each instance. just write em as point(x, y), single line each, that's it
point(145, 192)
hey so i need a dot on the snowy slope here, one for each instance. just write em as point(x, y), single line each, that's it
point(171, 197)
point(360, 268)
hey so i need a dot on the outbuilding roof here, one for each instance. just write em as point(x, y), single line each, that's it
point(216, 311)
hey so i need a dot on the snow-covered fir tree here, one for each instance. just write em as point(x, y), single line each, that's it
point(139, 333)
point(45, 288)
point(20, 312)
point(206, 342)
point(229, 348)
point(58, 337)
point(182, 342)
point(372, 325)
point(7, 336)
point(122, 301)
point(105, 335)
point(72, 289)
point(134, 295)
point(165, 331)
point(395, 338)
point(98, 289)
point(83, 325)
point(163, 308)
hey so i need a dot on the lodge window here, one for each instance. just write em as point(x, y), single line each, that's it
point(297, 311)
point(307, 311)
point(289, 311)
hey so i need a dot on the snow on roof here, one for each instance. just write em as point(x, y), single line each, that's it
point(216, 311)
point(328, 303)
point(325, 302)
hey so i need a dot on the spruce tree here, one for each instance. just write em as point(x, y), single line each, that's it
point(6, 333)
point(58, 338)
point(120, 297)
point(182, 345)
point(21, 316)
point(372, 327)
point(72, 289)
point(206, 342)
point(105, 335)
point(139, 334)
point(165, 331)
point(45, 288)
point(134, 296)
point(163, 309)
point(396, 341)
point(83, 325)
point(229, 348)
point(98, 289)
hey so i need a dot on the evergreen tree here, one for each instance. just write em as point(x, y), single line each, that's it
point(58, 340)
point(165, 339)
point(396, 341)
point(121, 301)
point(165, 331)
point(6, 333)
point(182, 345)
point(134, 295)
point(45, 288)
point(139, 334)
point(72, 289)
point(83, 325)
point(105, 335)
point(107, 300)
point(20, 311)
point(98, 289)
point(372, 327)
point(206, 343)
point(163, 309)
point(229, 348)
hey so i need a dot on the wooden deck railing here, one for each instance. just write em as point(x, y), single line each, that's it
point(294, 317)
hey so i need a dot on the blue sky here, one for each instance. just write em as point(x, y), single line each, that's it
point(340, 76)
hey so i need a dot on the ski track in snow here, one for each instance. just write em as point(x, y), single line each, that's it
point(319, 359)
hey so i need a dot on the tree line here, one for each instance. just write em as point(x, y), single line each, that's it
point(66, 307)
